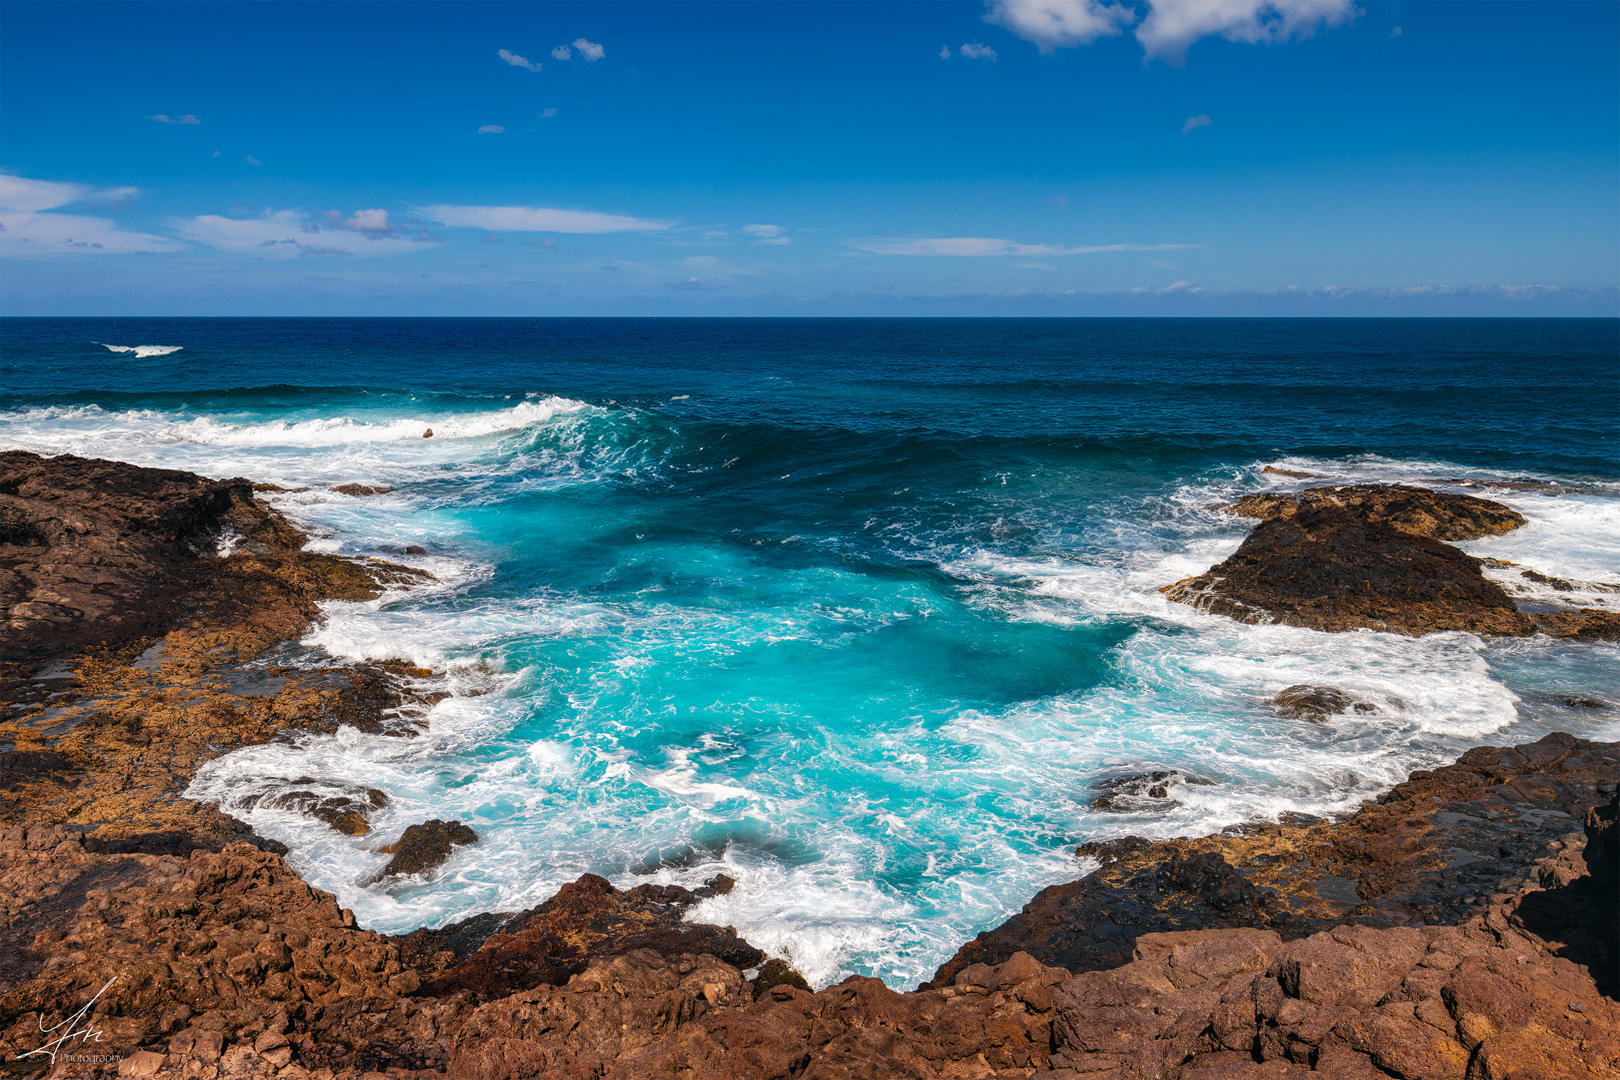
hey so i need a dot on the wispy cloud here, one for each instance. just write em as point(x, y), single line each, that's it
point(492, 129)
point(944, 52)
point(1169, 26)
point(517, 61)
point(590, 50)
point(562, 52)
point(535, 219)
point(286, 234)
point(1201, 120)
point(28, 228)
point(1055, 24)
point(165, 118)
point(978, 52)
point(251, 160)
point(768, 234)
point(548, 114)
point(967, 246)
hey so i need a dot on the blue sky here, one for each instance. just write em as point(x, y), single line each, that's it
point(1021, 157)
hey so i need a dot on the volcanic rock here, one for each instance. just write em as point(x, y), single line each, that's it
point(1415, 511)
point(1326, 568)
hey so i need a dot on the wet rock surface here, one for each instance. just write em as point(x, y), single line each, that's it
point(1149, 791)
point(1317, 703)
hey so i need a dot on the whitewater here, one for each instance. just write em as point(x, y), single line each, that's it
point(865, 616)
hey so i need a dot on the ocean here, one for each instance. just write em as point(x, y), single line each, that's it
point(863, 613)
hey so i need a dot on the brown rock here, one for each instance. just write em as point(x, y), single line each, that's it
point(424, 846)
point(1328, 569)
point(1415, 511)
point(1587, 624)
point(361, 489)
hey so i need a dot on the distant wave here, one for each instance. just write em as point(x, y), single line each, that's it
point(142, 351)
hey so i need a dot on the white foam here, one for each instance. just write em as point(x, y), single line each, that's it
point(142, 351)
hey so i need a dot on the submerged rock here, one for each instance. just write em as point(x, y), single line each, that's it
point(345, 807)
point(1416, 511)
point(1330, 569)
point(1317, 703)
point(1143, 791)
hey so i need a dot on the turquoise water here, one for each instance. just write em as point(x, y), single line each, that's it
point(858, 612)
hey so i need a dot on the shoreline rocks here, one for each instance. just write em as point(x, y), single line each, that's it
point(1455, 928)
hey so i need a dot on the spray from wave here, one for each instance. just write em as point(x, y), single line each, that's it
point(142, 351)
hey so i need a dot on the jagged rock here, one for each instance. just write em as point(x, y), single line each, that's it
point(1586, 624)
point(1329, 569)
point(588, 918)
point(361, 489)
point(1415, 511)
point(777, 972)
point(423, 847)
point(1317, 703)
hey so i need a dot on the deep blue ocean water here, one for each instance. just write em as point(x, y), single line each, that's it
point(861, 612)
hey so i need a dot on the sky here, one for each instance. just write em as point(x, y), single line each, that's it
point(1010, 157)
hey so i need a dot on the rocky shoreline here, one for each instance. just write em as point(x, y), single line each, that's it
point(1461, 926)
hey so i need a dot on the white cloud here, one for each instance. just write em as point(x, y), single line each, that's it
point(286, 234)
point(768, 234)
point(1172, 25)
point(214, 154)
point(978, 52)
point(492, 129)
point(535, 219)
point(562, 52)
point(589, 50)
point(981, 245)
point(1201, 120)
point(517, 61)
point(21, 195)
point(1053, 24)
point(165, 118)
point(1395, 32)
point(27, 231)
point(548, 114)
point(251, 160)
point(944, 52)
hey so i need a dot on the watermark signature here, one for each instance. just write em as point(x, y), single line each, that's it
point(78, 1026)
